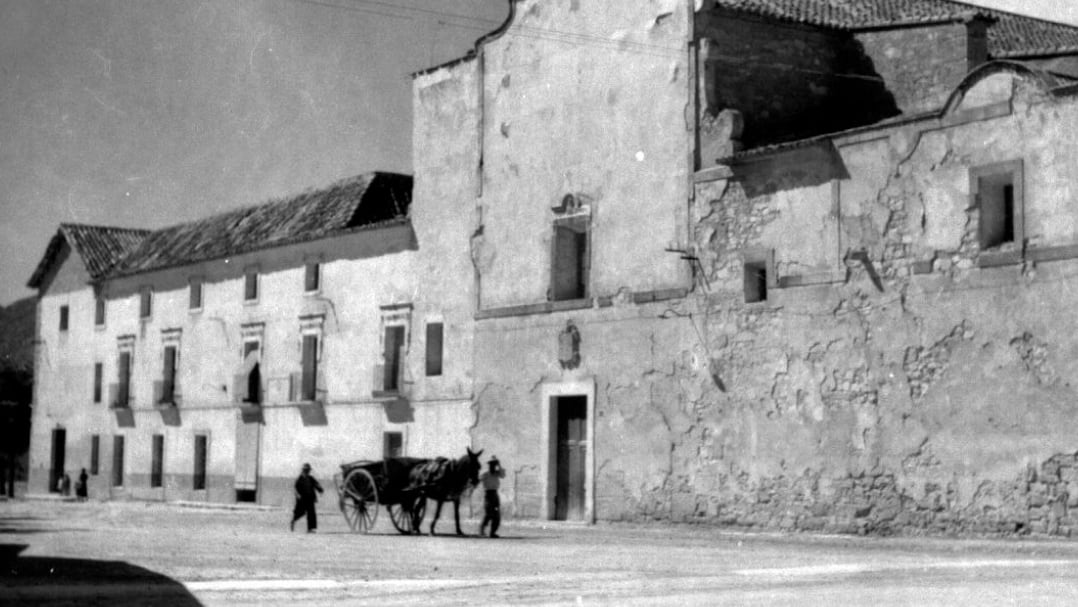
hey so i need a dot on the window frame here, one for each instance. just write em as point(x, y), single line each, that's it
point(581, 225)
point(145, 307)
point(758, 258)
point(99, 382)
point(251, 281)
point(100, 313)
point(978, 175)
point(311, 268)
point(65, 318)
point(118, 456)
point(195, 285)
point(200, 465)
point(157, 461)
point(95, 454)
point(434, 362)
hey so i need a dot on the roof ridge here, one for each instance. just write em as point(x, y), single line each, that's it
point(281, 199)
point(71, 224)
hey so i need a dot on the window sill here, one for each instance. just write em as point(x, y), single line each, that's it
point(995, 259)
point(194, 310)
point(99, 328)
point(250, 302)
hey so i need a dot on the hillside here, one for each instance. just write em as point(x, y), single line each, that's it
point(17, 335)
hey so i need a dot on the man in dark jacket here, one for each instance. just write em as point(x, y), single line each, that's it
point(306, 486)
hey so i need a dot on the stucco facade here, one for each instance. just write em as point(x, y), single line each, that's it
point(252, 450)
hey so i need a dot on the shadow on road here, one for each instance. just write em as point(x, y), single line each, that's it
point(63, 581)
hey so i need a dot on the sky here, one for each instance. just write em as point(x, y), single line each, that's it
point(144, 114)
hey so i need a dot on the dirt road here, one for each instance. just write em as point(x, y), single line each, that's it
point(135, 553)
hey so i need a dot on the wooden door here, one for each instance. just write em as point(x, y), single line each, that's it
point(572, 437)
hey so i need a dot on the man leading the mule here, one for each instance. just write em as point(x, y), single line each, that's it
point(492, 505)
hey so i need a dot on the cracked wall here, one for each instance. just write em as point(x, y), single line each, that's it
point(900, 380)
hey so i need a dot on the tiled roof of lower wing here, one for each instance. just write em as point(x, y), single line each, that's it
point(362, 201)
point(99, 247)
point(1010, 36)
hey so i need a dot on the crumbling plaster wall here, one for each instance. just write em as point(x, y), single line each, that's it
point(590, 99)
point(908, 402)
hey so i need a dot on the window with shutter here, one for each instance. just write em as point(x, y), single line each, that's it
point(310, 368)
point(434, 349)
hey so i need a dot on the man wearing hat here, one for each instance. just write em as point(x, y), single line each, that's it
point(492, 506)
point(306, 485)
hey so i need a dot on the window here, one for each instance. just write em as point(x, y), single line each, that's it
point(250, 285)
point(248, 382)
point(145, 308)
point(392, 444)
point(123, 392)
point(434, 349)
point(95, 454)
point(392, 356)
point(156, 460)
point(63, 318)
point(99, 312)
point(168, 379)
point(997, 193)
point(117, 461)
point(311, 277)
point(99, 373)
point(194, 300)
point(755, 282)
point(757, 276)
point(198, 480)
point(569, 259)
point(309, 383)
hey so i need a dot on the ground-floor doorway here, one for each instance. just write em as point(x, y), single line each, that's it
point(571, 439)
point(248, 435)
point(56, 467)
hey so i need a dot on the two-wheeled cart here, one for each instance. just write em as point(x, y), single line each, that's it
point(363, 485)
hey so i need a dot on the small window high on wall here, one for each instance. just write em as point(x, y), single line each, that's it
point(312, 277)
point(145, 306)
point(997, 194)
point(569, 266)
point(758, 276)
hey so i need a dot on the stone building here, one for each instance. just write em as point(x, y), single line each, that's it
point(207, 361)
point(790, 264)
point(778, 264)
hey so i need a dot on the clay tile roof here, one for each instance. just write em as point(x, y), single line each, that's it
point(99, 247)
point(1010, 36)
point(363, 201)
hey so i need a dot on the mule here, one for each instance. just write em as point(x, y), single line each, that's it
point(445, 480)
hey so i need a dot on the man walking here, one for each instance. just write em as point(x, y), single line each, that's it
point(492, 506)
point(306, 486)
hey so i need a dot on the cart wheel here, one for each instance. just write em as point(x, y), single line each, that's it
point(359, 500)
point(405, 519)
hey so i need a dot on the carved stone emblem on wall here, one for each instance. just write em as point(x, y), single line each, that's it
point(569, 346)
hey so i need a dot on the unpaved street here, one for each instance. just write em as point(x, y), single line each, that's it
point(134, 553)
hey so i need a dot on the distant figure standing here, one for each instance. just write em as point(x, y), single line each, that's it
point(492, 505)
point(306, 498)
point(64, 485)
point(80, 487)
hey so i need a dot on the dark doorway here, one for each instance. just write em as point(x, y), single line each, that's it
point(59, 440)
point(572, 415)
point(117, 461)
